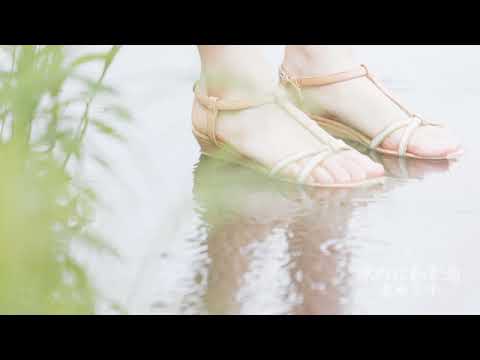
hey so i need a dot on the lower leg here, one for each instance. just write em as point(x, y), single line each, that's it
point(233, 70)
point(308, 60)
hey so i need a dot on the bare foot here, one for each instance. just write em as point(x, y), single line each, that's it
point(359, 103)
point(268, 133)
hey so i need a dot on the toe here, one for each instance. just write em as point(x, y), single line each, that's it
point(371, 168)
point(431, 141)
point(356, 171)
point(322, 176)
point(293, 170)
point(336, 170)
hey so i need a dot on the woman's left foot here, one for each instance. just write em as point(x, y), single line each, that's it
point(359, 104)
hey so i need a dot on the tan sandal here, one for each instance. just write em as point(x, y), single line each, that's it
point(212, 145)
point(340, 130)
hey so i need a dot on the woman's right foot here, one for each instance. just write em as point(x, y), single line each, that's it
point(268, 134)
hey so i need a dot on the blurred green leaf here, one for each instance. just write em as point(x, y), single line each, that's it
point(120, 112)
point(107, 130)
point(85, 59)
point(44, 209)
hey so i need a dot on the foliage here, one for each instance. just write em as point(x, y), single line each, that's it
point(44, 206)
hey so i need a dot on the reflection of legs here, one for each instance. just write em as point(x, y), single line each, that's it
point(312, 272)
point(358, 102)
point(320, 269)
point(316, 269)
point(244, 213)
point(267, 133)
point(236, 270)
point(228, 265)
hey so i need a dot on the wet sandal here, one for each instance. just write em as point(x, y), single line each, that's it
point(340, 130)
point(212, 145)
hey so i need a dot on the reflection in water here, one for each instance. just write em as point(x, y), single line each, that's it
point(274, 247)
point(277, 248)
point(406, 168)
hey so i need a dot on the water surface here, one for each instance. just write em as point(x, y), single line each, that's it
point(200, 236)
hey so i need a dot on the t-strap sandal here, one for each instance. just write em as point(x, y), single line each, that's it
point(340, 130)
point(212, 145)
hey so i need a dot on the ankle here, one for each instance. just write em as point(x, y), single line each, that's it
point(234, 71)
point(310, 60)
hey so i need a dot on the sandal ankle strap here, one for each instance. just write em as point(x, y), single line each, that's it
point(214, 105)
point(323, 80)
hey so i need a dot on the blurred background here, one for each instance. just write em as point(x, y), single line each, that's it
point(107, 206)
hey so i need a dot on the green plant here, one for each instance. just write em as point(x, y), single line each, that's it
point(44, 207)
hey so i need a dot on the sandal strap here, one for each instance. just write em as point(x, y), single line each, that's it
point(411, 124)
point(317, 157)
point(407, 135)
point(326, 139)
point(215, 104)
point(323, 80)
point(313, 163)
point(386, 132)
point(282, 164)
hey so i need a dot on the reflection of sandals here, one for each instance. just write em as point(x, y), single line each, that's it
point(401, 167)
point(212, 145)
point(219, 184)
point(338, 129)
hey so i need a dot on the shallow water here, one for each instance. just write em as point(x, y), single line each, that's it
point(200, 236)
